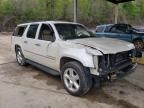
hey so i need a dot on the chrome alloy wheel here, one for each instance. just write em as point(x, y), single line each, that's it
point(71, 79)
point(19, 57)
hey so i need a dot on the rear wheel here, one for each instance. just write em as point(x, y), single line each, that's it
point(139, 44)
point(77, 79)
point(20, 57)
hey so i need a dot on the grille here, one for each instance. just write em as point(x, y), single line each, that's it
point(110, 62)
point(116, 58)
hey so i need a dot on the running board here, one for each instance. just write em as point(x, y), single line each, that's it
point(44, 68)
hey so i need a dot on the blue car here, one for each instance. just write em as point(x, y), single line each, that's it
point(122, 31)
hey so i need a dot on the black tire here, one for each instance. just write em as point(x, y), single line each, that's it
point(85, 82)
point(23, 61)
point(139, 44)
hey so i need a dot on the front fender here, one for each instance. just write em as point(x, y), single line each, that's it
point(80, 55)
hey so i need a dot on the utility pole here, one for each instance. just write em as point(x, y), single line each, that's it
point(116, 13)
point(75, 10)
point(47, 2)
point(52, 8)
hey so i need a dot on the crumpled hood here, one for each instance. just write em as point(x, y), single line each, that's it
point(106, 45)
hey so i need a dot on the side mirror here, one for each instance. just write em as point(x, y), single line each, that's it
point(53, 39)
point(93, 33)
point(52, 36)
point(52, 33)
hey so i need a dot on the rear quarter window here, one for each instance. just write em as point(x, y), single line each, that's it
point(19, 31)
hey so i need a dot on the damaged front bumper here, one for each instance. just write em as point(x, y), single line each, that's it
point(119, 64)
point(128, 71)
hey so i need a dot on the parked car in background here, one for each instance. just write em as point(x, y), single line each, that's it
point(140, 28)
point(122, 31)
point(71, 51)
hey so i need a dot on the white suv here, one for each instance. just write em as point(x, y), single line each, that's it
point(70, 50)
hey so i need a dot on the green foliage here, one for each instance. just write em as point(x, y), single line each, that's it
point(6, 7)
point(89, 11)
point(131, 9)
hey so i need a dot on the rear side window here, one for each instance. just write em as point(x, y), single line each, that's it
point(100, 29)
point(119, 29)
point(32, 31)
point(19, 31)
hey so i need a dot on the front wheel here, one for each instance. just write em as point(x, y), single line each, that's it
point(77, 79)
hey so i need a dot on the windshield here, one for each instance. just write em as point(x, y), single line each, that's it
point(73, 31)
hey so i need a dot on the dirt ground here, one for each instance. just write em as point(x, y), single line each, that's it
point(28, 87)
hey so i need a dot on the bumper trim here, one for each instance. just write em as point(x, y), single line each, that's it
point(127, 71)
point(123, 70)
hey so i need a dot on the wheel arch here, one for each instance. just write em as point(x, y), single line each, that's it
point(65, 60)
point(17, 46)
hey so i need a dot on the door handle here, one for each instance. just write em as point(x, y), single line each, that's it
point(25, 42)
point(37, 44)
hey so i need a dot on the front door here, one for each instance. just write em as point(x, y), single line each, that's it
point(121, 32)
point(46, 46)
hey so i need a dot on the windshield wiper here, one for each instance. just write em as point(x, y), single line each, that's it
point(81, 37)
point(69, 38)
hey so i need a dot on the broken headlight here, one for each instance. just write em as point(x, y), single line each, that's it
point(93, 51)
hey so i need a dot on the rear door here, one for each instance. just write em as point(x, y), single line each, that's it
point(112, 32)
point(29, 42)
point(17, 36)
